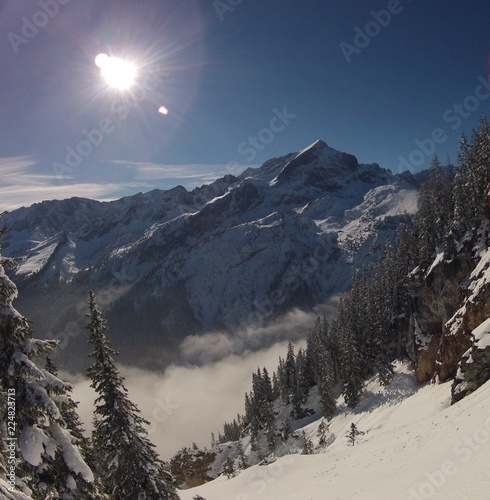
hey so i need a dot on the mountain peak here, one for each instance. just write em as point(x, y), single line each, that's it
point(316, 163)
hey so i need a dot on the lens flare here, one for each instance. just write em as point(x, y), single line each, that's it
point(118, 73)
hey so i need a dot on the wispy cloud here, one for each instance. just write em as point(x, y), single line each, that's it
point(195, 171)
point(23, 184)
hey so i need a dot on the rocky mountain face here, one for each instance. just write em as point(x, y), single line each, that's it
point(227, 256)
point(451, 307)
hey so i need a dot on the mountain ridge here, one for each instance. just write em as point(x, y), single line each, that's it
point(177, 262)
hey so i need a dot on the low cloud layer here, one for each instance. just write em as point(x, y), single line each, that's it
point(186, 404)
point(202, 349)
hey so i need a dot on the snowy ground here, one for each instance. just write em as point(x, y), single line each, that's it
point(415, 447)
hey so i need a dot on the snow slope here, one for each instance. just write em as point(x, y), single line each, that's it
point(415, 447)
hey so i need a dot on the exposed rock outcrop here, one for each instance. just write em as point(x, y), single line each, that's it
point(474, 367)
point(192, 468)
point(450, 302)
point(436, 296)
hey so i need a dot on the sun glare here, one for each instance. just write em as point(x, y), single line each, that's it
point(118, 73)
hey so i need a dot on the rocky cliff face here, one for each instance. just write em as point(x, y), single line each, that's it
point(192, 468)
point(450, 303)
point(474, 367)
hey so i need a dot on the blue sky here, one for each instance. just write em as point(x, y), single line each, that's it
point(243, 81)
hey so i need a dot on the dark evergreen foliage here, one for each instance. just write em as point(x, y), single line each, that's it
point(353, 434)
point(128, 463)
point(307, 444)
point(323, 428)
point(229, 468)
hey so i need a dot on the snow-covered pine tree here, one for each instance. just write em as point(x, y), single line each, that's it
point(434, 211)
point(68, 409)
point(381, 312)
point(49, 462)
point(129, 465)
point(307, 444)
point(229, 468)
point(242, 461)
point(255, 447)
point(291, 381)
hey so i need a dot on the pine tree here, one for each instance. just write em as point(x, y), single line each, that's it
point(322, 433)
point(351, 359)
point(68, 409)
point(433, 216)
point(267, 386)
point(353, 433)
point(287, 429)
point(129, 465)
point(49, 458)
point(302, 379)
point(242, 458)
point(255, 447)
point(307, 444)
point(276, 393)
point(326, 385)
point(271, 436)
point(229, 468)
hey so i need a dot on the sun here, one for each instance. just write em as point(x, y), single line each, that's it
point(118, 73)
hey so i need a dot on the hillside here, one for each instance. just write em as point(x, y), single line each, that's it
point(415, 446)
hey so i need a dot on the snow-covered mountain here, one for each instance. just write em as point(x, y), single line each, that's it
point(225, 256)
